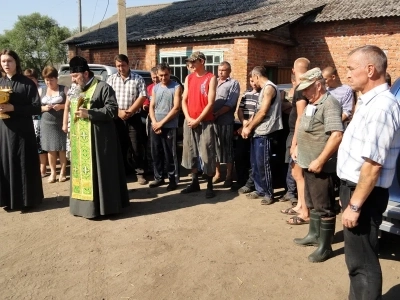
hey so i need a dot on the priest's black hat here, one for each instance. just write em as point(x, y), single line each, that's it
point(78, 65)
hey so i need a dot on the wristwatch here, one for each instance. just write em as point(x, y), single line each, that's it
point(354, 208)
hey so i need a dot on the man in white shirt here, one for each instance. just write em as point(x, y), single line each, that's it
point(366, 166)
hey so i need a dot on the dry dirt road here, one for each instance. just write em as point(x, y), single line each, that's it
point(170, 246)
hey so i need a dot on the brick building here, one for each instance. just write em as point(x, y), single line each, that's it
point(247, 33)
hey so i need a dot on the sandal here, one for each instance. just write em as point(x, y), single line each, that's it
point(253, 195)
point(289, 211)
point(296, 220)
point(62, 178)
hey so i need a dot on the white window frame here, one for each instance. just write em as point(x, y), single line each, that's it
point(217, 57)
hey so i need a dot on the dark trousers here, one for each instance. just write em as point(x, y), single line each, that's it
point(319, 193)
point(130, 137)
point(361, 243)
point(242, 162)
point(163, 152)
point(260, 153)
point(290, 182)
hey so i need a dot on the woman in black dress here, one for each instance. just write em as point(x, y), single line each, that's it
point(20, 180)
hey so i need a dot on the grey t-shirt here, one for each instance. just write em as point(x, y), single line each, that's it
point(227, 95)
point(314, 131)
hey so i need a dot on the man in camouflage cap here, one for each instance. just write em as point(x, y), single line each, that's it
point(319, 135)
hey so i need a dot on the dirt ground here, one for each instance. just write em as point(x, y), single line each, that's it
point(171, 246)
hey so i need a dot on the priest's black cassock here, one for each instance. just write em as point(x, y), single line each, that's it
point(20, 179)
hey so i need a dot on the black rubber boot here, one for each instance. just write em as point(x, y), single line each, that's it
point(324, 250)
point(311, 239)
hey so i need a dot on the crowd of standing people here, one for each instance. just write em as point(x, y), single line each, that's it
point(332, 138)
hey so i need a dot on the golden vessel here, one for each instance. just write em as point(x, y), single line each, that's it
point(4, 98)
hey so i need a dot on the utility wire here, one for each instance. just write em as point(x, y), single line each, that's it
point(108, 2)
point(94, 13)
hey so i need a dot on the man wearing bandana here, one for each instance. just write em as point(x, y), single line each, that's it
point(98, 182)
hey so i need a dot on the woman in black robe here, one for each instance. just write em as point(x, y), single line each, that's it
point(20, 180)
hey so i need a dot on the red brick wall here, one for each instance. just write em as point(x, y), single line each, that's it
point(329, 43)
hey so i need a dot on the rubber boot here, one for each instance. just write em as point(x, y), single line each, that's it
point(311, 239)
point(324, 250)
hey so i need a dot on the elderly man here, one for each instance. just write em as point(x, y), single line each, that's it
point(224, 110)
point(130, 90)
point(343, 93)
point(366, 166)
point(198, 131)
point(98, 183)
point(318, 138)
point(266, 121)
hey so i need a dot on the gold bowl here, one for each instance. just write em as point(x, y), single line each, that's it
point(4, 98)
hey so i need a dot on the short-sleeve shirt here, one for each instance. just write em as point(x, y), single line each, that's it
point(297, 96)
point(128, 90)
point(344, 94)
point(227, 95)
point(374, 133)
point(314, 132)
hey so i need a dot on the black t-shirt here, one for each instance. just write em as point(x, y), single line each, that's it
point(297, 96)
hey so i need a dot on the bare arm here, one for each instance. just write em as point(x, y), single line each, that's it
point(269, 94)
point(184, 100)
point(300, 105)
point(211, 99)
point(65, 116)
point(152, 109)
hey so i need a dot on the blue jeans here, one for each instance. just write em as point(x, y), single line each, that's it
point(260, 157)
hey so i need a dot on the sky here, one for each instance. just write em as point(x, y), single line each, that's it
point(65, 12)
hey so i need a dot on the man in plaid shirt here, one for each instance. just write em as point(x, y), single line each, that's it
point(130, 90)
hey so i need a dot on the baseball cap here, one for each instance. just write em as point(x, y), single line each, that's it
point(195, 56)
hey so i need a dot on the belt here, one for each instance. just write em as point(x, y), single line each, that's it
point(347, 183)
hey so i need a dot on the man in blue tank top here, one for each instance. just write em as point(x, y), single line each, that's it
point(164, 113)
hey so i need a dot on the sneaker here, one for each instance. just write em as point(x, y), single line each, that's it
point(267, 201)
point(156, 183)
point(172, 186)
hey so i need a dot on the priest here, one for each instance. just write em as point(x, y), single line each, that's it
point(98, 183)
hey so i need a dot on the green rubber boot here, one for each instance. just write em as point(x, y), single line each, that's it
point(311, 239)
point(324, 250)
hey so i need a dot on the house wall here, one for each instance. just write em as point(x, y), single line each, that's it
point(243, 54)
point(329, 43)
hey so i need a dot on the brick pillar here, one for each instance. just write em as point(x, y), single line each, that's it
point(240, 62)
point(150, 57)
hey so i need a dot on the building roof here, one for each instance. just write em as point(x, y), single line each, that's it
point(340, 10)
point(197, 19)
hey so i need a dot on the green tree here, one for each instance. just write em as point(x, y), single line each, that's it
point(36, 39)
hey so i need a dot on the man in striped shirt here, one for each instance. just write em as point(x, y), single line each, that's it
point(366, 166)
point(246, 110)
